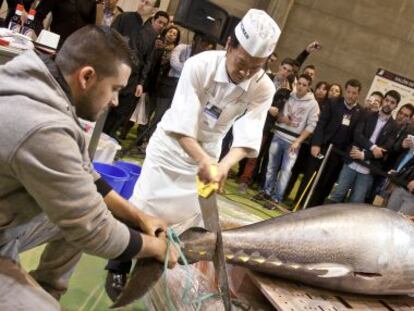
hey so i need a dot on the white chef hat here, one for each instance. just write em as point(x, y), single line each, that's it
point(257, 33)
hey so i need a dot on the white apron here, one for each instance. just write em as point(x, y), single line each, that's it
point(205, 106)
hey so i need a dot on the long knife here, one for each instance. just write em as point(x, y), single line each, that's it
point(208, 203)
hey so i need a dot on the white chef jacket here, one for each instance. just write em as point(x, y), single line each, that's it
point(166, 187)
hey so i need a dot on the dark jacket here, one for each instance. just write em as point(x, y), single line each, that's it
point(301, 58)
point(141, 40)
point(397, 150)
point(67, 15)
point(406, 174)
point(365, 129)
point(330, 124)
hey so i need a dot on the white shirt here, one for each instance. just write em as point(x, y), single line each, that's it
point(179, 55)
point(204, 81)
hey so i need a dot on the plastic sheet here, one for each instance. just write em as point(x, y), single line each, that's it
point(200, 282)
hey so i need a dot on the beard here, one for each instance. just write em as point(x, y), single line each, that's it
point(85, 106)
point(386, 110)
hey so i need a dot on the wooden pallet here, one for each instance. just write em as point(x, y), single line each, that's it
point(291, 296)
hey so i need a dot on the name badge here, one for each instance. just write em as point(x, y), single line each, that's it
point(211, 114)
point(346, 120)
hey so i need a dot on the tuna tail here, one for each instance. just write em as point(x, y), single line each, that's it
point(147, 272)
point(197, 244)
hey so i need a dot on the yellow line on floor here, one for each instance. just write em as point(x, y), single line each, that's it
point(89, 297)
point(97, 300)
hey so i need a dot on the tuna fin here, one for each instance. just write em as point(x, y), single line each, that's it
point(147, 272)
point(329, 270)
point(197, 244)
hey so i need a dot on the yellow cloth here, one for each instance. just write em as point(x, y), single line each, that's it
point(205, 190)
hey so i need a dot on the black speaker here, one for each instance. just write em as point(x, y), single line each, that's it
point(232, 22)
point(201, 16)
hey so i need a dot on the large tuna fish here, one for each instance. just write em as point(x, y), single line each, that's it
point(347, 247)
point(353, 248)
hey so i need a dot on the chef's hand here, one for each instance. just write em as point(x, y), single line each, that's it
point(221, 176)
point(410, 217)
point(315, 151)
point(204, 170)
point(153, 226)
point(139, 90)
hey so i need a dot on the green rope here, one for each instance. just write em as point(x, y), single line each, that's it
point(175, 241)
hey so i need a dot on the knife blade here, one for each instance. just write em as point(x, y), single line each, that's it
point(211, 220)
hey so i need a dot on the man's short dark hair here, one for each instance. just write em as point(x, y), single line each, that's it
point(377, 93)
point(408, 106)
point(161, 14)
point(288, 61)
point(306, 77)
point(102, 48)
point(394, 94)
point(354, 83)
point(309, 67)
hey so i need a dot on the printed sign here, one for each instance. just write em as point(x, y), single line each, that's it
point(385, 81)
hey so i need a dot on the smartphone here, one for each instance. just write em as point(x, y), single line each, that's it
point(320, 156)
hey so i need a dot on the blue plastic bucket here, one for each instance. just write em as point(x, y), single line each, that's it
point(115, 176)
point(134, 170)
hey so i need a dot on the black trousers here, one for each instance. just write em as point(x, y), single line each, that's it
point(328, 178)
point(122, 267)
point(159, 107)
point(259, 174)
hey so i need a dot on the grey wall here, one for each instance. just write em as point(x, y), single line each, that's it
point(358, 36)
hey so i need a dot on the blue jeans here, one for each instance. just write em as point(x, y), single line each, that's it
point(351, 179)
point(281, 162)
